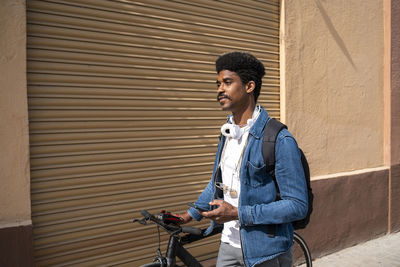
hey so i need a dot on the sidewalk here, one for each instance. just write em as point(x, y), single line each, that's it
point(380, 252)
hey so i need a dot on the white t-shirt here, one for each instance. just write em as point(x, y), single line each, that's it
point(230, 164)
point(230, 167)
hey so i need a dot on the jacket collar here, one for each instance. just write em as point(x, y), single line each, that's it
point(258, 127)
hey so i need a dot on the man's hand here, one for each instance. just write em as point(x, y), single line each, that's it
point(185, 217)
point(224, 213)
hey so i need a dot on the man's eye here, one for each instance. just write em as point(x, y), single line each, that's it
point(218, 85)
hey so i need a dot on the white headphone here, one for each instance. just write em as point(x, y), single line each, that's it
point(234, 131)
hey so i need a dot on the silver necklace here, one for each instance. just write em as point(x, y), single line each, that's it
point(225, 188)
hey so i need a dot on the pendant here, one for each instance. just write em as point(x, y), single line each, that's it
point(233, 193)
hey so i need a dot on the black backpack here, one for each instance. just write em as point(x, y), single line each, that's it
point(271, 131)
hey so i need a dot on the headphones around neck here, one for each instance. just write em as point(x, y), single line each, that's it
point(232, 130)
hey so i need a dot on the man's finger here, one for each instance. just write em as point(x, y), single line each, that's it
point(208, 214)
point(204, 213)
point(216, 202)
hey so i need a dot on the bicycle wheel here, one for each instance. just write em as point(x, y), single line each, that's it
point(153, 264)
point(301, 252)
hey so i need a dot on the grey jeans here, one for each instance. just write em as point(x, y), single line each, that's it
point(229, 256)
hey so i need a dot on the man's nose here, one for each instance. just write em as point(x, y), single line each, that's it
point(220, 88)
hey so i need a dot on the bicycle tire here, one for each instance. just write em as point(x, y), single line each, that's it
point(153, 264)
point(302, 256)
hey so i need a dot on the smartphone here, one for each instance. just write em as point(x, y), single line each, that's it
point(195, 206)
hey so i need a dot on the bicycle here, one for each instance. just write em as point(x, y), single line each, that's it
point(169, 223)
point(301, 252)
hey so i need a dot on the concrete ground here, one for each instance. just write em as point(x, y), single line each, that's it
point(380, 252)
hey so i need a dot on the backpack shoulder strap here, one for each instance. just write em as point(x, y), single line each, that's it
point(271, 131)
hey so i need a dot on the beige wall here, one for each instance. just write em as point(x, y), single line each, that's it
point(332, 64)
point(395, 82)
point(14, 141)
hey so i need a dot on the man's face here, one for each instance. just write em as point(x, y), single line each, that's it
point(231, 92)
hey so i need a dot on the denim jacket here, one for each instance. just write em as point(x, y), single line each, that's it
point(258, 208)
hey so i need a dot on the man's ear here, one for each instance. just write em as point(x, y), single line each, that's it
point(250, 86)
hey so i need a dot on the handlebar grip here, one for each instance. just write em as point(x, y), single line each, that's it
point(146, 214)
point(192, 230)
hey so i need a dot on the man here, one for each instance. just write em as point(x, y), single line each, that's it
point(241, 195)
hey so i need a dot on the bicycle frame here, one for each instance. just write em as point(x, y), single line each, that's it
point(176, 242)
point(176, 249)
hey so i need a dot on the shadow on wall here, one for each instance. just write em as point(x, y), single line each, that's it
point(334, 33)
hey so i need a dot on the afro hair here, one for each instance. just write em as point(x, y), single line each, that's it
point(246, 66)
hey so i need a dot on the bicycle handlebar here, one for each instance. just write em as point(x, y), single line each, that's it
point(171, 228)
point(192, 230)
point(146, 214)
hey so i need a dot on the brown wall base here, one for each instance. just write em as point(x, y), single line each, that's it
point(347, 210)
point(16, 246)
point(395, 199)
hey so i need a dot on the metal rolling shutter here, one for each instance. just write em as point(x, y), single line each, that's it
point(123, 116)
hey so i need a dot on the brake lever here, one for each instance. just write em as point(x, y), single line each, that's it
point(142, 221)
point(146, 216)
